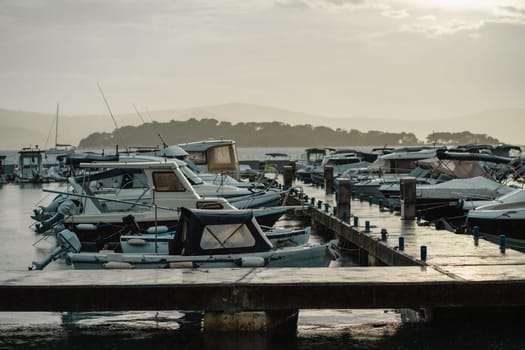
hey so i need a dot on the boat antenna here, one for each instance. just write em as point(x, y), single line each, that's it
point(140, 116)
point(56, 127)
point(164, 144)
point(50, 129)
point(149, 115)
point(111, 114)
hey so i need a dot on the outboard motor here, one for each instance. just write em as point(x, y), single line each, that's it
point(65, 208)
point(68, 242)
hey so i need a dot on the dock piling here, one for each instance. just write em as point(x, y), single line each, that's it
point(408, 198)
point(287, 176)
point(329, 179)
point(343, 199)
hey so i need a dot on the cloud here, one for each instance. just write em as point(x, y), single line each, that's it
point(427, 18)
point(520, 11)
point(331, 4)
point(397, 14)
point(435, 30)
point(511, 14)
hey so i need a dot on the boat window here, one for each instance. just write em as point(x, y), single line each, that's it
point(227, 236)
point(221, 158)
point(316, 157)
point(30, 160)
point(402, 165)
point(209, 205)
point(302, 157)
point(197, 157)
point(167, 181)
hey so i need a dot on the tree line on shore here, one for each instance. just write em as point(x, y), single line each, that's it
point(274, 134)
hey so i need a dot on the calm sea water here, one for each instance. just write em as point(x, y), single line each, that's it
point(325, 329)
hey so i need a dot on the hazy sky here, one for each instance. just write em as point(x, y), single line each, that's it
point(339, 58)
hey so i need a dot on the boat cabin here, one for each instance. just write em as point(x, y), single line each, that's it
point(214, 156)
point(403, 160)
point(29, 168)
point(313, 156)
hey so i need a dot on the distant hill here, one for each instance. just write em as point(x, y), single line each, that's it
point(19, 128)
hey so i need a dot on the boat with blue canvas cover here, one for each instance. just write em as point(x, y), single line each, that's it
point(158, 243)
point(210, 238)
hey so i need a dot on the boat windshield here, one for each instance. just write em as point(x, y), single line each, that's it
point(316, 156)
point(193, 178)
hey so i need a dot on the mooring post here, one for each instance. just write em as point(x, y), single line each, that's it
point(344, 197)
point(408, 198)
point(329, 179)
point(287, 176)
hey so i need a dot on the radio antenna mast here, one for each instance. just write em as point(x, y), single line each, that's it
point(111, 114)
point(138, 113)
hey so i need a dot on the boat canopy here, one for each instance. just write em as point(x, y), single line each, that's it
point(74, 159)
point(444, 154)
point(211, 232)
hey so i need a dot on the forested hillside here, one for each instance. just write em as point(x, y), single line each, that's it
point(262, 134)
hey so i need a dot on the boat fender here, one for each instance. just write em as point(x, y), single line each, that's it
point(137, 242)
point(86, 227)
point(118, 265)
point(160, 229)
point(252, 261)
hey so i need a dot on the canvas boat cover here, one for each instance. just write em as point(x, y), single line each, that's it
point(211, 232)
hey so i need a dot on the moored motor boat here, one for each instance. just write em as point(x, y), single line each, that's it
point(209, 238)
point(493, 220)
point(101, 217)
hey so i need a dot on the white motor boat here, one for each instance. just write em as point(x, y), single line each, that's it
point(209, 238)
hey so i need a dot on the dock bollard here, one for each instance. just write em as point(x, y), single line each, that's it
point(475, 233)
point(423, 249)
point(502, 243)
point(401, 243)
point(356, 221)
point(384, 234)
point(326, 207)
point(367, 226)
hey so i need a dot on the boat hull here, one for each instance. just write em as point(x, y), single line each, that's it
point(96, 234)
point(303, 256)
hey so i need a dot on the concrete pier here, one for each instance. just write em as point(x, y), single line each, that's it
point(263, 289)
